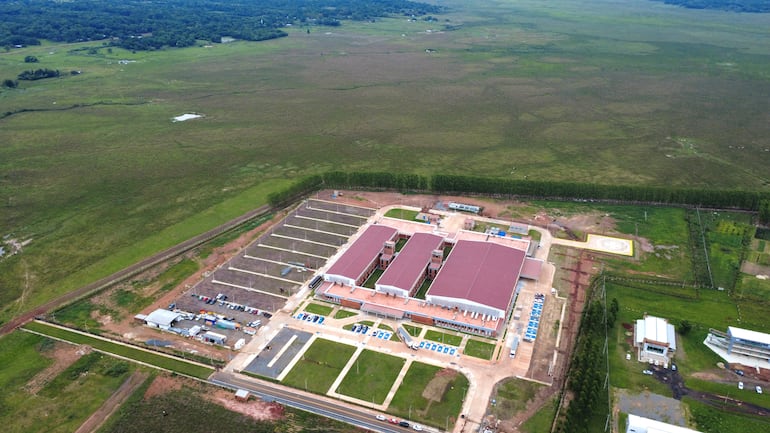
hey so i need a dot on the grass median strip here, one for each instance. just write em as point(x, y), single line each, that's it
point(125, 351)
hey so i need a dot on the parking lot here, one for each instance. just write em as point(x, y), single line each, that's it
point(279, 262)
point(279, 352)
point(438, 348)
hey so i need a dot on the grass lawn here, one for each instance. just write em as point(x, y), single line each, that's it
point(479, 349)
point(320, 365)
point(541, 421)
point(414, 331)
point(402, 214)
point(512, 396)
point(423, 289)
point(371, 376)
point(444, 338)
point(342, 314)
point(165, 362)
point(319, 309)
point(432, 405)
point(713, 420)
point(67, 399)
point(372, 280)
point(748, 394)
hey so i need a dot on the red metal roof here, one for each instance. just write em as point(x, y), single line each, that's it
point(531, 268)
point(383, 310)
point(365, 250)
point(411, 262)
point(482, 272)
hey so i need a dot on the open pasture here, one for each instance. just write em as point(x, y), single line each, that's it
point(503, 91)
point(67, 398)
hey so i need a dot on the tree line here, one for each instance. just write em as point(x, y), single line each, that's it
point(588, 370)
point(497, 187)
point(755, 6)
point(141, 25)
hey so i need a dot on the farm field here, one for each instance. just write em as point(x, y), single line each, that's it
point(501, 91)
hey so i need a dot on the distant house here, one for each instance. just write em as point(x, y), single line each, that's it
point(655, 339)
point(163, 319)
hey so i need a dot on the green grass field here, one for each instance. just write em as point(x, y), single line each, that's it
point(714, 420)
point(513, 395)
point(403, 214)
point(67, 399)
point(165, 362)
point(371, 376)
point(443, 337)
point(320, 309)
point(503, 94)
point(319, 366)
point(342, 314)
point(442, 404)
point(479, 349)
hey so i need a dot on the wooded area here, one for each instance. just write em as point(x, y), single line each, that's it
point(756, 6)
point(140, 25)
point(459, 184)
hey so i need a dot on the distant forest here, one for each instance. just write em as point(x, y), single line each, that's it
point(755, 6)
point(147, 25)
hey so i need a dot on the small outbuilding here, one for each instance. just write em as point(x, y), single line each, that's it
point(242, 395)
point(213, 337)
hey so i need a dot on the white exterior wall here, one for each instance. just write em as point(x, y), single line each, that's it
point(464, 304)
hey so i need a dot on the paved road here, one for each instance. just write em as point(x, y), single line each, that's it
point(131, 270)
point(309, 402)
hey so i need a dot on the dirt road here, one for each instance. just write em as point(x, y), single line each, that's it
point(98, 418)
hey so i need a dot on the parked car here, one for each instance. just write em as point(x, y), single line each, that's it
point(739, 372)
point(393, 421)
point(759, 389)
point(404, 424)
point(417, 427)
point(740, 385)
point(380, 417)
point(647, 372)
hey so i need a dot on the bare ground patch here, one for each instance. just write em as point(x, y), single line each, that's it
point(161, 385)
point(436, 388)
point(63, 356)
point(255, 409)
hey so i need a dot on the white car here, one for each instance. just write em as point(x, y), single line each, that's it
point(740, 385)
point(417, 427)
point(380, 417)
point(759, 389)
point(647, 372)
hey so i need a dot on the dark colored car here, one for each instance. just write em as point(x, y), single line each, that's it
point(404, 424)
